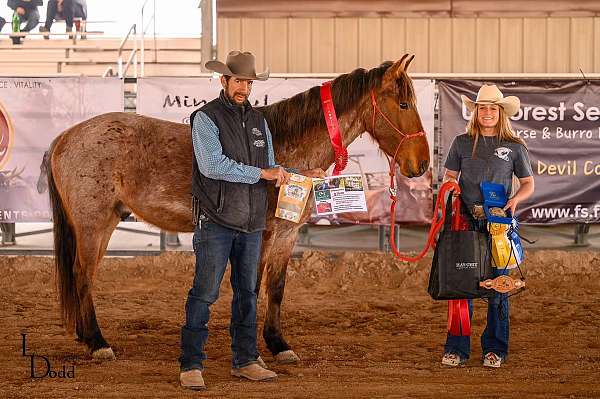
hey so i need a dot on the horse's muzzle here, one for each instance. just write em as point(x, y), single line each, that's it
point(418, 169)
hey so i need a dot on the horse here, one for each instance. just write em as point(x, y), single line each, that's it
point(105, 167)
point(42, 181)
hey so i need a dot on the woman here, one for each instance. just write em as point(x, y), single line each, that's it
point(488, 151)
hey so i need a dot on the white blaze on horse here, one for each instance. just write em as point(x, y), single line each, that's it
point(119, 162)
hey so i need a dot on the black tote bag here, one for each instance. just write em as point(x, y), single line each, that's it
point(460, 262)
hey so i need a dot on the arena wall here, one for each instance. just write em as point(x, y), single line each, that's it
point(441, 45)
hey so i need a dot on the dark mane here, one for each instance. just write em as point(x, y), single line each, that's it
point(293, 117)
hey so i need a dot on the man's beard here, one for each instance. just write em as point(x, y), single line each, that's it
point(234, 101)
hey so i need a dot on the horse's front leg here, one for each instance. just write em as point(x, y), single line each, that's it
point(280, 244)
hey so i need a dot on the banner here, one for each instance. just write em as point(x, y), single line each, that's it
point(33, 111)
point(174, 99)
point(560, 123)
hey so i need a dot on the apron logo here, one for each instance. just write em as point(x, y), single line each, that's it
point(256, 132)
point(502, 153)
point(259, 143)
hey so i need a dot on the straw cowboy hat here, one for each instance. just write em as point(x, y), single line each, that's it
point(238, 64)
point(490, 94)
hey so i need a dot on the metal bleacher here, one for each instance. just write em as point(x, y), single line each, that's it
point(91, 57)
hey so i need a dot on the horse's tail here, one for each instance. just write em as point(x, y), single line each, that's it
point(64, 253)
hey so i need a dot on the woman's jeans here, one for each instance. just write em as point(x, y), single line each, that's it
point(214, 245)
point(495, 336)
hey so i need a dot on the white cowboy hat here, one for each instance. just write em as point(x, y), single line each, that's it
point(490, 94)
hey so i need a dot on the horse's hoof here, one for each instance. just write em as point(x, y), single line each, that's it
point(261, 363)
point(103, 354)
point(287, 357)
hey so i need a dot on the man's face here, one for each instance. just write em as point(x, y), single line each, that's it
point(236, 89)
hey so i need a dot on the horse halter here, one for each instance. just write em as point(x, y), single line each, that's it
point(392, 161)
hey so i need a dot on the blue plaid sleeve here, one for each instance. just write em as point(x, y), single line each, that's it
point(212, 163)
point(270, 154)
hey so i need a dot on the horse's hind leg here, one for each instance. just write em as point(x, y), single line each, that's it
point(92, 240)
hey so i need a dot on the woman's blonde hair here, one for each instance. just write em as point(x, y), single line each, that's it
point(504, 128)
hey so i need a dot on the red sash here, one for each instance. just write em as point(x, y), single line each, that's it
point(333, 127)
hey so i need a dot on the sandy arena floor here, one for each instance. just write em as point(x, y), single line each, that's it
point(362, 323)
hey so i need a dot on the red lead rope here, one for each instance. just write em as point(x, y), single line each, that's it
point(436, 222)
point(459, 321)
point(458, 311)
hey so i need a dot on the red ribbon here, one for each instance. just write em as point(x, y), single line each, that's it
point(333, 127)
point(459, 321)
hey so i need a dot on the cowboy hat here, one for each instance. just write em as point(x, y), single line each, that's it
point(490, 94)
point(238, 64)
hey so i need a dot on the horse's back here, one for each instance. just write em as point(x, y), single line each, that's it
point(142, 162)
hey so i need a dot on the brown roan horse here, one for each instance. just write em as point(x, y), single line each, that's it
point(108, 166)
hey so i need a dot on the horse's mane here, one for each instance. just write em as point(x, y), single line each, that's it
point(294, 117)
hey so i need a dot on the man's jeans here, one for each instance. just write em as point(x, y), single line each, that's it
point(495, 336)
point(214, 245)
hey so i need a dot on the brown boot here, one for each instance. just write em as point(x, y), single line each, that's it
point(253, 372)
point(192, 379)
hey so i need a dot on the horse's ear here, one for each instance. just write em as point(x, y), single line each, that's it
point(394, 71)
point(408, 61)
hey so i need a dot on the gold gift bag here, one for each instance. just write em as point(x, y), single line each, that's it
point(293, 197)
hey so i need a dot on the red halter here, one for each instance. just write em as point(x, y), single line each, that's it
point(435, 225)
point(405, 137)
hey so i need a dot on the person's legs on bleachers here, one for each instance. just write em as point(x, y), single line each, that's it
point(51, 11)
point(67, 13)
point(32, 17)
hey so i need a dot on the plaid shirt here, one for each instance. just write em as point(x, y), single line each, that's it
point(213, 164)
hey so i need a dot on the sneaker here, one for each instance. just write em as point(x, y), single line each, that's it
point(452, 360)
point(492, 360)
point(253, 372)
point(192, 379)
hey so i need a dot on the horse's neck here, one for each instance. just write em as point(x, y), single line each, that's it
point(317, 148)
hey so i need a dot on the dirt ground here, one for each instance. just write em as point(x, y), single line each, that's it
point(362, 323)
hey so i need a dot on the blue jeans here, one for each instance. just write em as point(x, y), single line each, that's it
point(495, 336)
point(32, 17)
point(214, 245)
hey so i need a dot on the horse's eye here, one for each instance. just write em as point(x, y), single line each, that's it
point(403, 106)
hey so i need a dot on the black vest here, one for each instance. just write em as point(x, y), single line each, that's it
point(239, 206)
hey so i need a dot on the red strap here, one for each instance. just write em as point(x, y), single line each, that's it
point(453, 321)
point(333, 127)
point(459, 221)
point(436, 221)
point(459, 321)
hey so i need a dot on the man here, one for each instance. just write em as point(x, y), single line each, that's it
point(27, 12)
point(233, 161)
point(64, 9)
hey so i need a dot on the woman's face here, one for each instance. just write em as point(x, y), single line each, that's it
point(488, 115)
